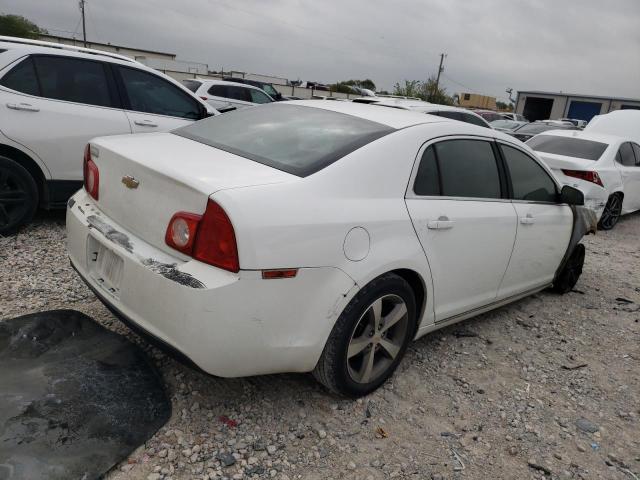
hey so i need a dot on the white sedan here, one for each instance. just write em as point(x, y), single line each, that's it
point(317, 236)
point(605, 168)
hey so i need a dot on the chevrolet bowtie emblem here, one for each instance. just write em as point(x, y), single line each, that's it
point(130, 182)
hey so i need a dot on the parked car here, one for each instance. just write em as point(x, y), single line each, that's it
point(575, 121)
point(514, 116)
point(446, 111)
point(266, 87)
point(326, 245)
point(624, 123)
point(489, 115)
point(507, 126)
point(225, 96)
point(54, 99)
point(605, 168)
point(529, 130)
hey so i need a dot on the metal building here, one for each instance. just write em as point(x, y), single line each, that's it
point(554, 105)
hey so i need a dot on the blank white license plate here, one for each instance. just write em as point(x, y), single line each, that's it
point(106, 266)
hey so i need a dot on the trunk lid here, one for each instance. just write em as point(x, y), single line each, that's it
point(146, 179)
point(562, 162)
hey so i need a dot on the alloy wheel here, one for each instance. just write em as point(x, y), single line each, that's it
point(13, 197)
point(377, 339)
point(611, 212)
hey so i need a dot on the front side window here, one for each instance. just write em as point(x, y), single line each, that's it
point(626, 156)
point(22, 78)
point(292, 138)
point(73, 80)
point(463, 168)
point(149, 93)
point(528, 179)
point(258, 97)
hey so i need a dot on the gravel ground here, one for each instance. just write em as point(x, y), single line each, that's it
point(548, 387)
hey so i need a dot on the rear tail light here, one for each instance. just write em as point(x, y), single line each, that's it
point(91, 174)
point(209, 238)
point(588, 176)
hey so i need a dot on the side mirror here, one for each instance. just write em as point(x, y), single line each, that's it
point(571, 196)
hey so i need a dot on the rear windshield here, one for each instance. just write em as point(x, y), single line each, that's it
point(538, 128)
point(191, 85)
point(292, 138)
point(568, 146)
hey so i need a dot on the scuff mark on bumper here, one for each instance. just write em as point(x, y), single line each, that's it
point(170, 272)
point(109, 232)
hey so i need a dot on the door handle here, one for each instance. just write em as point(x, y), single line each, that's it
point(145, 123)
point(27, 107)
point(527, 220)
point(443, 223)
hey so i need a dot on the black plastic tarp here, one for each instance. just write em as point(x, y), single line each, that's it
point(75, 398)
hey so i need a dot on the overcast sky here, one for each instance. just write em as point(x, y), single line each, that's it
point(575, 46)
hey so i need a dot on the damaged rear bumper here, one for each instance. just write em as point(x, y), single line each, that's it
point(227, 324)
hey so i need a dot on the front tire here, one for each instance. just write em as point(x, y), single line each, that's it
point(18, 196)
point(611, 213)
point(370, 338)
point(571, 271)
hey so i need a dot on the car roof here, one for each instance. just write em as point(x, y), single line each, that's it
point(207, 81)
point(596, 137)
point(392, 117)
point(27, 46)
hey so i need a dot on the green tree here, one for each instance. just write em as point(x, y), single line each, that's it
point(424, 91)
point(504, 106)
point(17, 26)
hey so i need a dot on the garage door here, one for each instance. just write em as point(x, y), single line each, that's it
point(584, 110)
point(537, 108)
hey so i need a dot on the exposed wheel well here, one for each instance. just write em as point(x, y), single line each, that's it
point(32, 167)
point(417, 285)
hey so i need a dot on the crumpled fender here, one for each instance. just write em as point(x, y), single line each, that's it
point(585, 221)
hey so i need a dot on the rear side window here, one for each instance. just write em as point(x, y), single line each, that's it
point(463, 168)
point(218, 91)
point(626, 156)
point(636, 150)
point(149, 93)
point(73, 80)
point(568, 146)
point(472, 119)
point(22, 78)
point(427, 182)
point(528, 179)
point(445, 114)
point(238, 93)
point(191, 85)
point(292, 138)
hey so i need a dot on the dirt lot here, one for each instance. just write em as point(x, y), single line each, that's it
point(548, 387)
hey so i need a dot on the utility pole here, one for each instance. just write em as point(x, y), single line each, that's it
point(84, 28)
point(440, 70)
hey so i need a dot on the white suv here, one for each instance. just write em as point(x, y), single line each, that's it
point(227, 95)
point(55, 98)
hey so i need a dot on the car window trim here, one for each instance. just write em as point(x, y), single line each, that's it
point(409, 191)
point(499, 143)
point(126, 102)
point(115, 104)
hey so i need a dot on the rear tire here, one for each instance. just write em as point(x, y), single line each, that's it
point(370, 338)
point(18, 196)
point(611, 213)
point(571, 272)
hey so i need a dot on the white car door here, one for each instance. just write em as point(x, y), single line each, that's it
point(466, 226)
point(154, 104)
point(544, 225)
point(629, 166)
point(54, 105)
